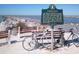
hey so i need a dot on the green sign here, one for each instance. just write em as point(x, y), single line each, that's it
point(52, 16)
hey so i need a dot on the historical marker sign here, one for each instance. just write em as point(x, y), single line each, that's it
point(52, 16)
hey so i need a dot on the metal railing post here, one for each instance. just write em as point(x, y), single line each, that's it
point(18, 33)
point(9, 36)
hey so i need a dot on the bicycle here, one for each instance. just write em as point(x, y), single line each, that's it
point(75, 38)
point(29, 43)
point(32, 43)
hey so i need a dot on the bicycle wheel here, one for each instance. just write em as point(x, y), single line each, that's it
point(75, 40)
point(28, 44)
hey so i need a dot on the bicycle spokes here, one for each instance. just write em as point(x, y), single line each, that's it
point(29, 44)
point(75, 40)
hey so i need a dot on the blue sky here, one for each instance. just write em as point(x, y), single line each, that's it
point(35, 9)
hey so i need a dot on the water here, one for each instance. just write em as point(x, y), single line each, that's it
point(38, 17)
point(71, 20)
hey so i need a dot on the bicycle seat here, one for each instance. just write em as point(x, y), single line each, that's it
point(71, 30)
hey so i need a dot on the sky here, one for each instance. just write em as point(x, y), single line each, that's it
point(35, 9)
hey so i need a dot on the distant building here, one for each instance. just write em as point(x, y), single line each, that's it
point(52, 16)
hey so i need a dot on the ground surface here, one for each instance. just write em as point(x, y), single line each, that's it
point(16, 48)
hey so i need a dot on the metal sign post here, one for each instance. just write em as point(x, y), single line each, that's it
point(52, 40)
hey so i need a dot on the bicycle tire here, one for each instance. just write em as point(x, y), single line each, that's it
point(28, 43)
point(75, 40)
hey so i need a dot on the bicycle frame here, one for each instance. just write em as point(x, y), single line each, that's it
point(72, 34)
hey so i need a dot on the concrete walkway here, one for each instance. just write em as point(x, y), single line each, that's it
point(17, 48)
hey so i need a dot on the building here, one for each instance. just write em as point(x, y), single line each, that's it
point(52, 16)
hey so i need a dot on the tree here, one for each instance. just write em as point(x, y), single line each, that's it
point(21, 25)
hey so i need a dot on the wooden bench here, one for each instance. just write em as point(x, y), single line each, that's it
point(40, 34)
point(58, 38)
point(57, 34)
point(3, 34)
